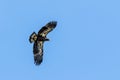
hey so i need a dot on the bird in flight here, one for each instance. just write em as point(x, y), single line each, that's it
point(39, 39)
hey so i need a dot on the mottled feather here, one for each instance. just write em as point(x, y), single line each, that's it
point(39, 39)
point(47, 28)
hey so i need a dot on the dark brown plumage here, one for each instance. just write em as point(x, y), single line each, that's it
point(39, 39)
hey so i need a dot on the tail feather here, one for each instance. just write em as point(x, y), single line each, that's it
point(38, 59)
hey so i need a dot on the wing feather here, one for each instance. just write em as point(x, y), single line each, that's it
point(33, 37)
point(47, 28)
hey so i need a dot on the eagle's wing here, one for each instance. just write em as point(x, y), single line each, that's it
point(33, 37)
point(38, 52)
point(47, 28)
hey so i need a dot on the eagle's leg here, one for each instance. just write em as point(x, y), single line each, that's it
point(46, 39)
point(33, 37)
point(40, 38)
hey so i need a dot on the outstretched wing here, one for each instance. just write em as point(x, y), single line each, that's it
point(38, 52)
point(47, 28)
point(33, 37)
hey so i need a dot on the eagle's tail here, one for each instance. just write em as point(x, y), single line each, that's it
point(38, 59)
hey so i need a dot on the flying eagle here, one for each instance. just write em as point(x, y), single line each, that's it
point(39, 39)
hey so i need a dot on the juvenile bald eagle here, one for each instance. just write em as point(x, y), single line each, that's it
point(39, 39)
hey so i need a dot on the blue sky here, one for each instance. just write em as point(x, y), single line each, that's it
point(84, 46)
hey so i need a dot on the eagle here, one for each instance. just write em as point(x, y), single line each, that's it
point(38, 40)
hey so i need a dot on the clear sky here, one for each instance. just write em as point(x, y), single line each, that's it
point(85, 45)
